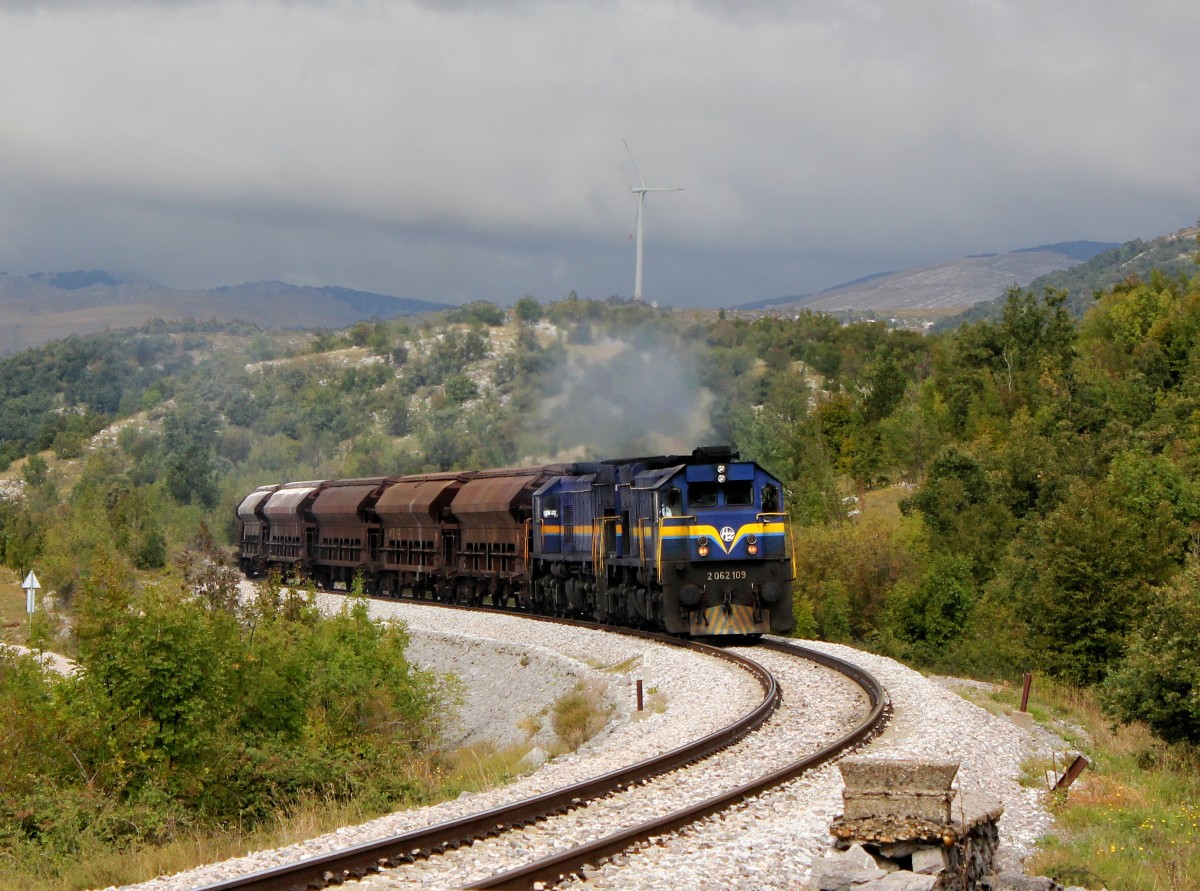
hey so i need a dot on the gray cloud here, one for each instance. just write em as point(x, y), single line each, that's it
point(473, 150)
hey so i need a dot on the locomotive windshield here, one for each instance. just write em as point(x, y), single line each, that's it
point(735, 492)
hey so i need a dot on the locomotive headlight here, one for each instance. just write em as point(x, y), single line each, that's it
point(751, 545)
point(702, 548)
point(720, 477)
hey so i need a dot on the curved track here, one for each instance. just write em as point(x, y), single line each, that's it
point(362, 860)
point(553, 870)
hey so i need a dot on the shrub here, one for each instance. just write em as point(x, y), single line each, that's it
point(579, 715)
point(195, 711)
point(1158, 681)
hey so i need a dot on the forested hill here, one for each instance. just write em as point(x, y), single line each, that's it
point(39, 308)
point(1172, 254)
point(1026, 488)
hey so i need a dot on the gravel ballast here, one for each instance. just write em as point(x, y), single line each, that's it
point(772, 842)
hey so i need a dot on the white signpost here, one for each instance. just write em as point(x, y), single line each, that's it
point(31, 584)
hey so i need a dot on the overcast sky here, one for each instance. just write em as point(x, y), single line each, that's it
point(472, 150)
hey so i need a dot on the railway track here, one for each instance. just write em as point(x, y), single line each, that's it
point(392, 855)
point(575, 862)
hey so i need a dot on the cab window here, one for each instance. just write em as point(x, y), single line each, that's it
point(674, 503)
point(702, 495)
point(770, 499)
point(739, 492)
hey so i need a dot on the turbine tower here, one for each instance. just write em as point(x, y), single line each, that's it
point(641, 191)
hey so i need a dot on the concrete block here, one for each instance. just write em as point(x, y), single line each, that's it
point(898, 805)
point(881, 774)
point(897, 789)
point(1024, 720)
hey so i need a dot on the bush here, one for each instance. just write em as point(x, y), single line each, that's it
point(196, 711)
point(930, 614)
point(1158, 681)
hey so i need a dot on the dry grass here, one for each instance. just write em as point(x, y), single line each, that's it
point(530, 724)
point(482, 766)
point(623, 667)
point(885, 501)
point(14, 620)
point(580, 714)
point(655, 701)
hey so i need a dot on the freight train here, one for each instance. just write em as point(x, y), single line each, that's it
point(691, 545)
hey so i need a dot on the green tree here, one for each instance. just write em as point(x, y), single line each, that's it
point(1084, 579)
point(961, 512)
point(885, 385)
point(36, 470)
point(527, 309)
point(1158, 680)
point(188, 439)
point(460, 388)
point(930, 614)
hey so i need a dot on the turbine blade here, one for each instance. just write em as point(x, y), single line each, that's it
point(635, 167)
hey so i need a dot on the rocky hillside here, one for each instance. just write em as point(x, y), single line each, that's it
point(43, 307)
point(943, 288)
point(1172, 254)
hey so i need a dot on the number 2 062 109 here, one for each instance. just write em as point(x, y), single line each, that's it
point(727, 576)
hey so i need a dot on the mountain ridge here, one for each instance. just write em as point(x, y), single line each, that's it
point(45, 306)
point(942, 288)
point(1172, 254)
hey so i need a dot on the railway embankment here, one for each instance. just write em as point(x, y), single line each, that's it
point(769, 841)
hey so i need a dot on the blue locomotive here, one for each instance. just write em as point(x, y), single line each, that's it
point(688, 544)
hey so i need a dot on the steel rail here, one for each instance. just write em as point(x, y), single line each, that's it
point(370, 857)
point(558, 868)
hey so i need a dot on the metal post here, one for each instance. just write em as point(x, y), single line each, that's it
point(1025, 691)
point(1072, 774)
point(639, 694)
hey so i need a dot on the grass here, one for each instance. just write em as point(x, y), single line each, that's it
point(655, 702)
point(530, 724)
point(480, 767)
point(101, 867)
point(1132, 820)
point(469, 769)
point(580, 714)
point(623, 667)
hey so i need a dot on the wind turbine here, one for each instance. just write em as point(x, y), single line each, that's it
point(640, 191)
